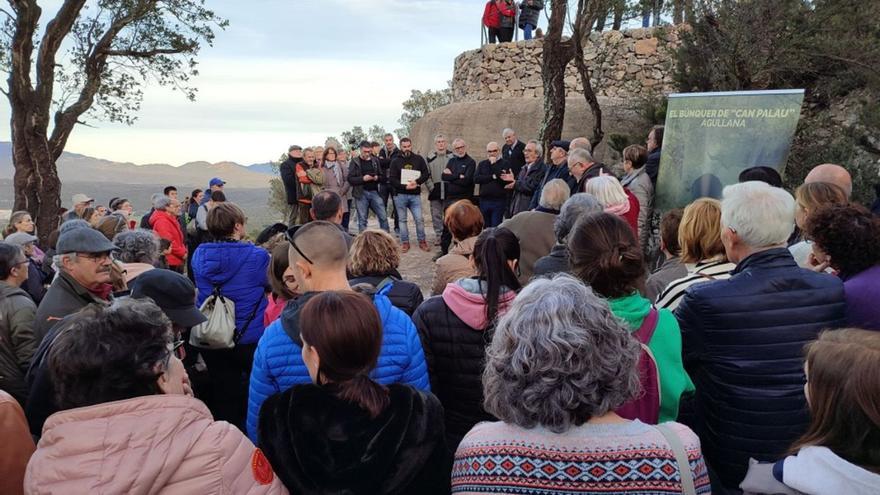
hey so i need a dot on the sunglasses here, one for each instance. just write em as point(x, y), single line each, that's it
point(289, 235)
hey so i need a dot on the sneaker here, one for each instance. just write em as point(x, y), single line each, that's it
point(424, 246)
point(405, 247)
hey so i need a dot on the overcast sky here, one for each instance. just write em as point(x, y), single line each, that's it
point(287, 72)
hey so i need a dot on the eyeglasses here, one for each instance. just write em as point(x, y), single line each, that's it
point(175, 350)
point(289, 235)
point(95, 257)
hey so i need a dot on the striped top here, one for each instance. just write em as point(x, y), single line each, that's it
point(629, 458)
point(704, 271)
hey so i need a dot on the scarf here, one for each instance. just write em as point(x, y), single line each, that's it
point(337, 170)
point(619, 209)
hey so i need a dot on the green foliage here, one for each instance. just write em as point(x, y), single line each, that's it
point(652, 109)
point(357, 134)
point(421, 103)
point(828, 47)
point(277, 198)
point(618, 142)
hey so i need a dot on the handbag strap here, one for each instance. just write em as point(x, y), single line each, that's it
point(681, 458)
point(236, 337)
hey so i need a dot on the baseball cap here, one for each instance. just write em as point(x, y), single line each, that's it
point(216, 181)
point(172, 292)
point(20, 238)
point(560, 144)
point(81, 198)
point(84, 241)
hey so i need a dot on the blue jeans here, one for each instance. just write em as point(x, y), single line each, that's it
point(493, 211)
point(527, 31)
point(413, 202)
point(370, 200)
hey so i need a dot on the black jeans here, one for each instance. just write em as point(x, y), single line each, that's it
point(385, 191)
point(230, 374)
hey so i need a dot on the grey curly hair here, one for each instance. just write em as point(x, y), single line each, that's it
point(137, 246)
point(579, 205)
point(559, 357)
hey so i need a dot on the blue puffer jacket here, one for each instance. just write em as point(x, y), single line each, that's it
point(278, 363)
point(240, 269)
point(743, 343)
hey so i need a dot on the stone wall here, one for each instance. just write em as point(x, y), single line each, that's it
point(623, 64)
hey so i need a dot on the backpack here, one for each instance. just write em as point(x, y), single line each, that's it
point(645, 407)
point(219, 331)
point(491, 15)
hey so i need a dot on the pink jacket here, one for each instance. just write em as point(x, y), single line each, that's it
point(157, 444)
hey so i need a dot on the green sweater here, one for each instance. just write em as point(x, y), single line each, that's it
point(665, 344)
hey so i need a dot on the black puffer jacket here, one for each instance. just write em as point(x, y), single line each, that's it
point(404, 295)
point(743, 344)
point(454, 336)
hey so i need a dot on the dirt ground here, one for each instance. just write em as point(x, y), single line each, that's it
point(416, 266)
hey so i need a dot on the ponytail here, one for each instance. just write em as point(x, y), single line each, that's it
point(493, 251)
point(346, 331)
point(366, 393)
point(604, 253)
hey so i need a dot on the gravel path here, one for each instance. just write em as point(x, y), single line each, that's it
point(416, 266)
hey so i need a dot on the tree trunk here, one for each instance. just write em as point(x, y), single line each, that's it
point(557, 54)
point(37, 187)
point(589, 93)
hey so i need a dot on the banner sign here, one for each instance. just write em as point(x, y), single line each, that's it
point(709, 138)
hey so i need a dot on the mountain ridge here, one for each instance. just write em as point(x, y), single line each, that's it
point(74, 167)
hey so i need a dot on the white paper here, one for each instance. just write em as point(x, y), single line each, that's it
point(407, 175)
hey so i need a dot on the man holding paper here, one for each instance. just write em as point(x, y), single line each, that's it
point(407, 173)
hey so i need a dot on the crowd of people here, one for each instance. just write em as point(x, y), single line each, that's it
point(573, 341)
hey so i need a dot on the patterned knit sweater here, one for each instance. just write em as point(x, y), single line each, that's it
point(629, 458)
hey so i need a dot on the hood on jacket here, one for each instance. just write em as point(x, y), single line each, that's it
point(464, 248)
point(219, 262)
point(632, 309)
point(466, 299)
point(318, 443)
point(7, 290)
point(819, 470)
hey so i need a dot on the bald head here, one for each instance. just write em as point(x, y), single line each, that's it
point(580, 143)
point(323, 243)
point(832, 174)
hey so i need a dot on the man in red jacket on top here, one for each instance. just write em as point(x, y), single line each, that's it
point(165, 225)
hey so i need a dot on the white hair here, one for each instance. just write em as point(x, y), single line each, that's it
point(579, 155)
point(438, 137)
point(554, 194)
point(539, 150)
point(760, 214)
point(162, 203)
point(507, 131)
point(607, 190)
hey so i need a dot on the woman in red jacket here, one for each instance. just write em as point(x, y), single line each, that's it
point(166, 225)
point(499, 18)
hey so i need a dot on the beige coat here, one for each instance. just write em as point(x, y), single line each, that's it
point(453, 266)
point(534, 229)
point(157, 444)
point(343, 188)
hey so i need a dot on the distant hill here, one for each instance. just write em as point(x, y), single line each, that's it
point(263, 168)
point(73, 167)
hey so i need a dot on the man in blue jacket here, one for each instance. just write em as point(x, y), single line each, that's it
point(743, 338)
point(318, 255)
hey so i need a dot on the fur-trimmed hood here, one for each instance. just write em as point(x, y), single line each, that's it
point(320, 444)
